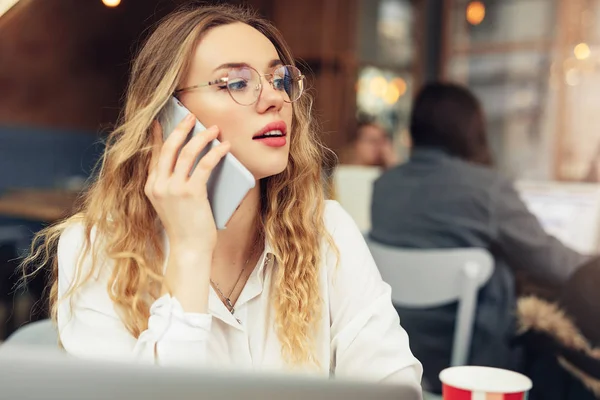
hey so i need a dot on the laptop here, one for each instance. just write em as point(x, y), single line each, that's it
point(568, 211)
point(29, 373)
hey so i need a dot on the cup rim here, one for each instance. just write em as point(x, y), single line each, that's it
point(485, 379)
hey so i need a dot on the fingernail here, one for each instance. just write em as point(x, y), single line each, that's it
point(190, 117)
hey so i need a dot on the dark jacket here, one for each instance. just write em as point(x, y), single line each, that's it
point(562, 363)
point(438, 201)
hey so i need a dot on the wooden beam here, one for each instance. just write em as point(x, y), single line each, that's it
point(562, 105)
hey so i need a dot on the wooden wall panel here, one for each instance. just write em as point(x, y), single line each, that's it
point(64, 63)
point(322, 33)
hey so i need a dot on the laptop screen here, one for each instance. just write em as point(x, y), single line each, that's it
point(568, 211)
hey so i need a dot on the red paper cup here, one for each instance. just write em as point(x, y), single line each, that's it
point(483, 383)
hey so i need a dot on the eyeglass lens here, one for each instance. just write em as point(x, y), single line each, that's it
point(244, 84)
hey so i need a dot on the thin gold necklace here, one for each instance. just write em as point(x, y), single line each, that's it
point(227, 299)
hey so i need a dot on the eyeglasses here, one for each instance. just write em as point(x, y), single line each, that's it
point(244, 84)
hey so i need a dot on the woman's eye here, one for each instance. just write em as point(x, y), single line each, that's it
point(279, 83)
point(237, 85)
point(284, 84)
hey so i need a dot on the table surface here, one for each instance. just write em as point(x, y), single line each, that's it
point(46, 205)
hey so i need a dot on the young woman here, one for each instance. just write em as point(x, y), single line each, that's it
point(141, 273)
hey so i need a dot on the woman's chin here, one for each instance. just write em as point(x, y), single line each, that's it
point(272, 169)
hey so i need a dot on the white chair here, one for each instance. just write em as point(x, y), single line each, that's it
point(353, 187)
point(430, 278)
point(39, 333)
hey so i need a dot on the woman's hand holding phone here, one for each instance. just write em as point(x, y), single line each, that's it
point(181, 202)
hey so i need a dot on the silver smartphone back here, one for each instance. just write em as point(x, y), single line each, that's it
point(229, 182)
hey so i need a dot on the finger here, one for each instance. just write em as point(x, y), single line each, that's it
point(208, 163)
point(171, 146)
point(189, 153)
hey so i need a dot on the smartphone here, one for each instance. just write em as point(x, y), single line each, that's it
point(229, 181)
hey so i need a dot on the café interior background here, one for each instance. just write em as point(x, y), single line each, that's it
point(535, 65)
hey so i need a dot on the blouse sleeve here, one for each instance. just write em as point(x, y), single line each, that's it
point(90, 327)
point(366, 337)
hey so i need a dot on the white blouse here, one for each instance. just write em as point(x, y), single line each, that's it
point(360, 334)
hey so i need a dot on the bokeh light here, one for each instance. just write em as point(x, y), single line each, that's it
point(582, 51)
point(111, 3)
point(475, 12)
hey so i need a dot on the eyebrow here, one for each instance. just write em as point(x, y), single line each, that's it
point(272, 63)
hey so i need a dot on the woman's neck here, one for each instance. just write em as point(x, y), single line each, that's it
point(237, 242)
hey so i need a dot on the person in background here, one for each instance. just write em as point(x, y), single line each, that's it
point(448, 195)
point(142, 274)
point(372, 147)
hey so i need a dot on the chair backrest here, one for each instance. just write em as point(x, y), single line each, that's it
point(15, 235)
point(39, 333)
point(353, 187)
point(430, 278)
point(46, 157)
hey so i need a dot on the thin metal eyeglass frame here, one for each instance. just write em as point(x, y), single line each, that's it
point(226, 79)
